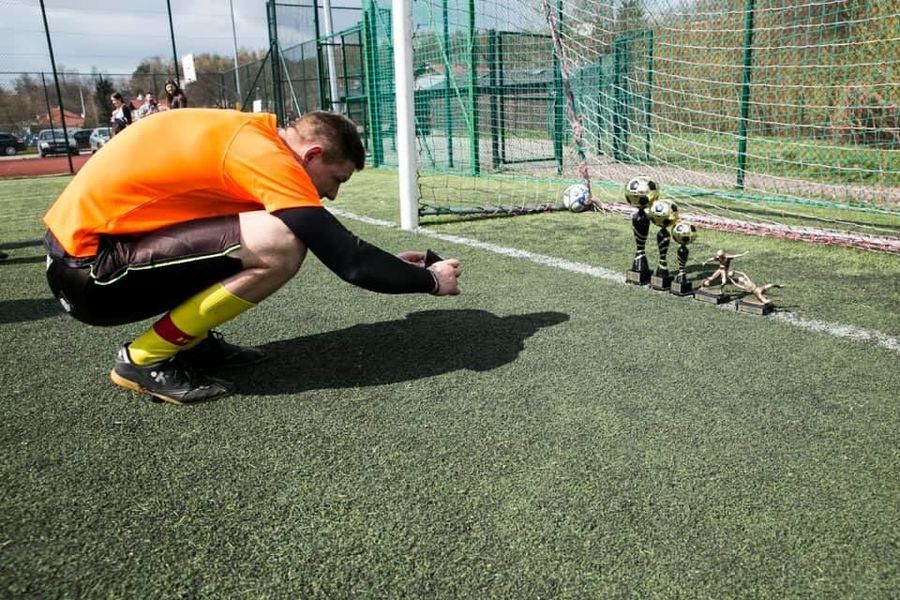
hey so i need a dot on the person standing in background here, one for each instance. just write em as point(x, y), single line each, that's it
point(175, 95)
point(149, 107)
point(121, 115)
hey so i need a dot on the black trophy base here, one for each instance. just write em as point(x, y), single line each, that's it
point(712, 295)
point(682, 288)
point(754, 306)
point(661, 282)
point(637, 277)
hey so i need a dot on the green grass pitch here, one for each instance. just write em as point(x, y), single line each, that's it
point(546, 434)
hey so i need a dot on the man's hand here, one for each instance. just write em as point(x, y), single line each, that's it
point(413, 258)
point(420, 259)
point(447, 273)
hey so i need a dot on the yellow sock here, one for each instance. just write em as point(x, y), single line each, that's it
point(187, 324)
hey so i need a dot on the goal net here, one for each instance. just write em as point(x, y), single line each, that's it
point(775, 108)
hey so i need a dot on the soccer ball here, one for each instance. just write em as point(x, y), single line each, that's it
point(663, 213)
point(641, 192)
point(684, 232)
point(576, 197)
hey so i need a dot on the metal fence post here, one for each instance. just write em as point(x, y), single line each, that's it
point(745, 92)
point(62, 115)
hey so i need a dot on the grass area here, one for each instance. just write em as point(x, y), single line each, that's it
point(812, 159)
point(789, 156)
point(544, 434)
point(827, 283)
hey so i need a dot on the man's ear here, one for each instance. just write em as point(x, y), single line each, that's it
point(312, 152)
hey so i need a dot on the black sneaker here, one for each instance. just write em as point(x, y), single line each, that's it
point(215, 353)
point(168, 380)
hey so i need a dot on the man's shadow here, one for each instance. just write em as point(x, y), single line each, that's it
point(423, 344)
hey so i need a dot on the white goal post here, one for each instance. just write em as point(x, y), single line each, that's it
point(406, 132)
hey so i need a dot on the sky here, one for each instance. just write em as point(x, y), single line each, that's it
point(113, 36)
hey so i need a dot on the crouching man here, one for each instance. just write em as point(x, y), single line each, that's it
point(214, 213)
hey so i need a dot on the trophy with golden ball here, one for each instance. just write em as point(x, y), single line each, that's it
point(641, 193)
point(683, 232)
point(663, 213)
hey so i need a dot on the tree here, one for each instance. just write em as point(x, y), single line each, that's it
point(215, 78)
point(631, 17)
point(103, 89)
point(591, 23)
point(28, 100)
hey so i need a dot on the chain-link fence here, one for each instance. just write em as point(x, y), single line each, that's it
point(39, 93)
point(316, 62)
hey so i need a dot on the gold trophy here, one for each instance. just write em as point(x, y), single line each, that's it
point(683, 232)
point(640, 192)
point(663, 213)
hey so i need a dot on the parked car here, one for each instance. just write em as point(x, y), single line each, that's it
point(99, 137)
point(83, 138)
point(53, 141)
point(11, 144)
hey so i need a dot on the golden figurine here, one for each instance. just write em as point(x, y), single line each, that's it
point(722, 276)
point(756, 300)
point(723, 271)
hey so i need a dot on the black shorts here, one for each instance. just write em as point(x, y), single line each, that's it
point(133, 278)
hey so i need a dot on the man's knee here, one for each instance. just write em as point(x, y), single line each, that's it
point(268, 243)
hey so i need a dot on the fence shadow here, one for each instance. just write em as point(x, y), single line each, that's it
point(4, 245)
point(423, 344)
point(22, 260)
point(29, 309)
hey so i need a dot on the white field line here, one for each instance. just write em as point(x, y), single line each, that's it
point(838, 330)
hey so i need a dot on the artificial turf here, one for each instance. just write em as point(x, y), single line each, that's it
point(545, 434)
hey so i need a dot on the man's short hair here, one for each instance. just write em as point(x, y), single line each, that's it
point(337, 135)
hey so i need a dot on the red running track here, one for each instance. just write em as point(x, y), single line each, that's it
point(35, 167)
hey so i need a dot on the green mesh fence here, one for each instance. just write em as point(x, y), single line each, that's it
point(379, 69)
point(316, 70)
point(722, 101)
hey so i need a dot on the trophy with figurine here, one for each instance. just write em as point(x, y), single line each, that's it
point(756, 301)
point(712, 289)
